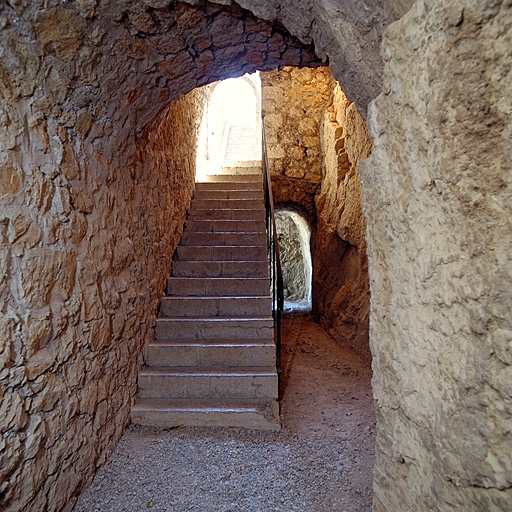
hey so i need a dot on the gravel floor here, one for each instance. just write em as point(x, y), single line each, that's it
point(321, 461)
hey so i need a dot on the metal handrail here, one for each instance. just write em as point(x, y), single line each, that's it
point(276, 274)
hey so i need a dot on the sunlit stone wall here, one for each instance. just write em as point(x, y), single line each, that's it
point(86, 248)
point(437, 194)
point(341, 294)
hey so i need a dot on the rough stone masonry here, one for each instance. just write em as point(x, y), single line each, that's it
point(93, 192)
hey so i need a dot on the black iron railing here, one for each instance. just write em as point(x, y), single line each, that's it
point(276, 275)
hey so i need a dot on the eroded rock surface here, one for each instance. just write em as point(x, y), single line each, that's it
point(82, 220)
point(437, 197)
point(85, 254)
point(341, 294)
point(294, 236)
point(316, 140)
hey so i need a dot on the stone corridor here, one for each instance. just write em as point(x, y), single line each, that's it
point(389, 128)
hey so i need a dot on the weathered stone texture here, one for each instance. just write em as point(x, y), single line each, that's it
point(437, 198)
point(348, 33)
point(341, 294)
point(92, 203)
point(79, 84)
point(294, 101)
point(294, 246)
point(82, 268)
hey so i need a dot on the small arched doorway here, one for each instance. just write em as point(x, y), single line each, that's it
point(294, 235)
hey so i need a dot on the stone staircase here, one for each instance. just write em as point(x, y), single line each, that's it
point(212, 362)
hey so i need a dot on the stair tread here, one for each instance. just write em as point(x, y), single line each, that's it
point(217, 319)
point(212, 343)
point(217, 261)
point(229, 190)
point(215, 297)
point(237, 233)
point(219, 246)
point(227, 209)
point(207, 371)
point(200, 403)
point(218, 279)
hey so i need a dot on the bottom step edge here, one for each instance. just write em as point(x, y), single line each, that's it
point(261, 416)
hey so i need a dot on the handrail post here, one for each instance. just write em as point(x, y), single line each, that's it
point(276, 275)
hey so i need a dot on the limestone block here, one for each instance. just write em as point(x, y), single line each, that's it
point(40, 362)
point(41, 263)
point(38, 331)
point(276, 151)
point(83, 123)
point(142, 22)
point(61, 33)
point(13, 415)
point(308, 126)
point(225, 31)
point(294, 173)
point(10, 182)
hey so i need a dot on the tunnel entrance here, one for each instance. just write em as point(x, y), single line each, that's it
point(294, 235)
point(230, 127)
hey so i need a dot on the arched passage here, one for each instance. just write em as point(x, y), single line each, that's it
point(294, 237)
point(233, 121)
point(230, 129)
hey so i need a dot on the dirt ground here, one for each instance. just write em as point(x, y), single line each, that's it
point(327, 391)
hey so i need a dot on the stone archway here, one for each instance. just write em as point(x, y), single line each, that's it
point(294, 236)
point(82, 222)
point(232, 104)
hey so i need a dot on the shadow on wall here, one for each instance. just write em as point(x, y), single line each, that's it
point(341, 303)
point(294, 235)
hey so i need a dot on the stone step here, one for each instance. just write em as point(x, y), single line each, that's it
point(210, 178)
point(220, 269)
point(230, 226)
point(241, 163)
point(221, 253)
point(215, 306)
point(229, 194)
point(214, 328)
point(227, 214)
point(215, 286)
point(212, 383)
point(232, 204)
point(208, 353)
point(229, 239)
point(239, 170)
point(229, 185)
point(249, 414)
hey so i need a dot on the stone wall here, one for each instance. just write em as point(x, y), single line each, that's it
point(341, 294)
point(293, 101)
point(86, 248)
point(348, 32)
point(438, 200)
